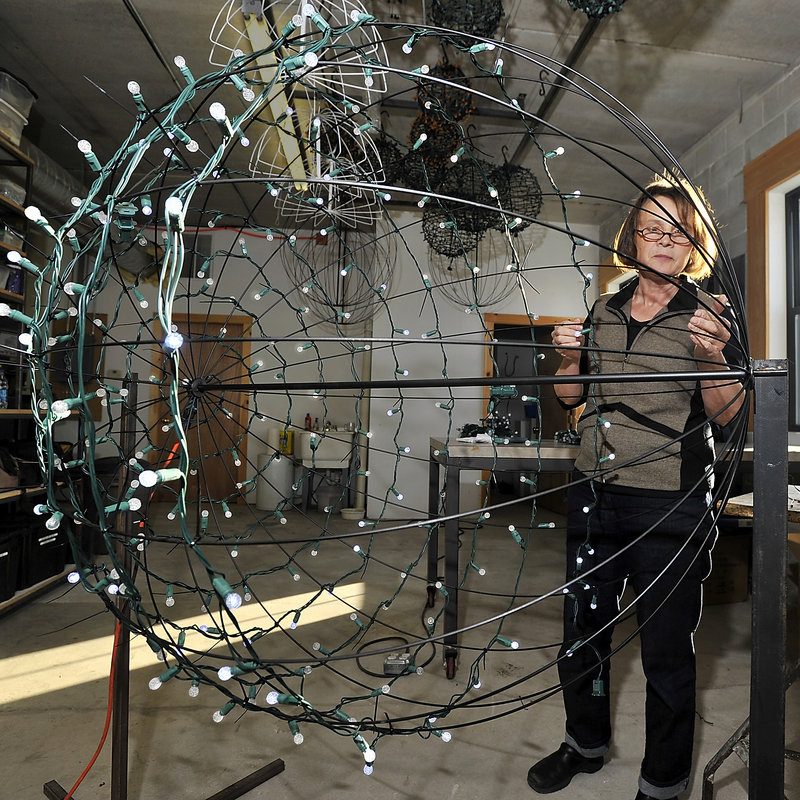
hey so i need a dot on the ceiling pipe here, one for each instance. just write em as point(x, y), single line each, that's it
point(52, 186)
point(554, 92)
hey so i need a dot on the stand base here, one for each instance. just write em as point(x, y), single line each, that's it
point(54, 791)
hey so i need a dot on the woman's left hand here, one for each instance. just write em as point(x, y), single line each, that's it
point(709, 332)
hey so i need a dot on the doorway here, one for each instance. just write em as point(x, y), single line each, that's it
point(215, 419)
point(515, 356)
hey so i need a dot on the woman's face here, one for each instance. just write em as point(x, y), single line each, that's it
point(663, 255)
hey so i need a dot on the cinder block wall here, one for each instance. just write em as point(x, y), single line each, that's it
point(716, 162)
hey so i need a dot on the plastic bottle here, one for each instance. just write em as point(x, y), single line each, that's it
point(3, 389)
point(308, 422)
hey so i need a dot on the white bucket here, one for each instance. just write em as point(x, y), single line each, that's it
point(275, 482)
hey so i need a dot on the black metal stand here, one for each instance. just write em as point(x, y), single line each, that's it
point(121, 683)
point(760, 739)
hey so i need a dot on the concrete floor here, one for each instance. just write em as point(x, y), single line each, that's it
point(54, 657)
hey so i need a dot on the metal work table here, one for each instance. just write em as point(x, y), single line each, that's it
point(443, 504)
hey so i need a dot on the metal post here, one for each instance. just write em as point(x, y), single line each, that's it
point(121, 687)
point(770, 503)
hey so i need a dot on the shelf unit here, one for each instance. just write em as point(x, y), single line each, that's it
point(16, 168)
point(16, 422)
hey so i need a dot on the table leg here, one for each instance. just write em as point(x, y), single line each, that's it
point(433, 539)
point(452, 499)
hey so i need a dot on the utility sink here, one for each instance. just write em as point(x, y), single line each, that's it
point(326, 449)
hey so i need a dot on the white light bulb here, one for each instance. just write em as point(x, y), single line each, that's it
point(148, 478)
point(233, 601)
point(173, 340)
point(173, 206)
point(60, 408)
point(134, 87)
point(217, 111)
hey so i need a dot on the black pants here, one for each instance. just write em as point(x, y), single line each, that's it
point(665, 567)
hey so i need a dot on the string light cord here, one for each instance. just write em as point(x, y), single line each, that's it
point(109, 711)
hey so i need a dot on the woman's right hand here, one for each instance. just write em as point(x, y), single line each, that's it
point(567, 337)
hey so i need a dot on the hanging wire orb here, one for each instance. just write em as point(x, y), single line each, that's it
point(391, 157)
point(443, 235)
point(424, 165)
point(230, 36)
point(483, 276)
point(452, 102)
point(476, 17)
point(519, 194)
point(335, 148)
point(344, 275)
point(469, 179)
point(597, 9)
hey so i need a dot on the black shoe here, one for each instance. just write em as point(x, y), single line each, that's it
point(640, 795)
point(556, 770)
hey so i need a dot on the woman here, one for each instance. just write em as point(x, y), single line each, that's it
point(638, 508)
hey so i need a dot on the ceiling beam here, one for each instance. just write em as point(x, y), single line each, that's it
point(554, 92)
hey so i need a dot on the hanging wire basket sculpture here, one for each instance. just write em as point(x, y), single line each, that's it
point(432, 142)
point(223, 352)
point(391, 156)
point(452, 99)
point(597, 9)
point(480, 278)
point(341, 156)
point(339, 272)
point(233, 33)
point(451, 226)
point(519, 194)
point(475, 17)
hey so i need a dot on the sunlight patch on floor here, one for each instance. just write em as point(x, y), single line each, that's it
point(31, 674)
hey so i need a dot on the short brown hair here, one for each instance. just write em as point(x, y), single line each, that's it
point(695, 215)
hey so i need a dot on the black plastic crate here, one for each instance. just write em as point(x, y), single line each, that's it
point(10, 551)
point(43, 553)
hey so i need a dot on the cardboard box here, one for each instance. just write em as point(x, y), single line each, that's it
point(729, 581)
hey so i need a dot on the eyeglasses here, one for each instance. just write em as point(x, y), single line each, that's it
point(656, 235)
